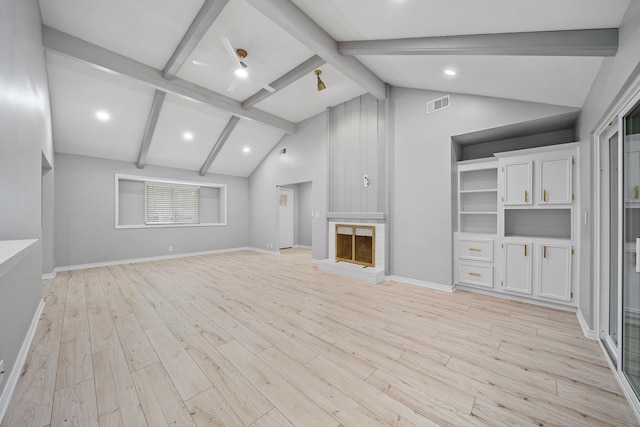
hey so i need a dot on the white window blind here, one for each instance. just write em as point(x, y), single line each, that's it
point(171, 204)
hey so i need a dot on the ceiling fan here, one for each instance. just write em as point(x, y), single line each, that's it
point(241, 71)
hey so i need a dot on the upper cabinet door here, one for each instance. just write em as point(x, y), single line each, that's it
point(517, 183)
point(555, 181)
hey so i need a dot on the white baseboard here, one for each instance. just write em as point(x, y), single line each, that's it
point(588, 333)
point(147, 259)
point(424, 284)
point(265, 251)
point(12, 380)
point(51, 275)
point(302, 246)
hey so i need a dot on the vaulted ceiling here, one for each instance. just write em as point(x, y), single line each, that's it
point(159, 68)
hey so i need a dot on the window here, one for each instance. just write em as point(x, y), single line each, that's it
point(144, 202)
point(171, 204)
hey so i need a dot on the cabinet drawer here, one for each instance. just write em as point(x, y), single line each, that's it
point(474, 274)
point(476, 249)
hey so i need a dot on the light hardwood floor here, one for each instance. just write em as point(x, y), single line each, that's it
point(250, 339)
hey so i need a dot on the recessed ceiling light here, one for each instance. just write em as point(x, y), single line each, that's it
point(242, 73)
point(188, 136)
point(103, 116)
point(246, 150)
point(450, 72)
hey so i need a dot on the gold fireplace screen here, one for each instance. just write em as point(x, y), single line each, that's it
point(356, 244)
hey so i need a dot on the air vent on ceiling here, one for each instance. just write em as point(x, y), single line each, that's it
point(438, 104)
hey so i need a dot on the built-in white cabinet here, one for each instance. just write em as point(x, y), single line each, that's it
point(475, 260)
point(516, 266)
point(555, 180)
point(554, 271)
point(478, 196)
point(523, 247)
point(517, 182)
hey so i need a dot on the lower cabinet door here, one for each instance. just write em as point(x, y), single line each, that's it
point(517, 266)
point(554, 271)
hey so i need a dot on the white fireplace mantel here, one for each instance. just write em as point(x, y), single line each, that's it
point(361, 216)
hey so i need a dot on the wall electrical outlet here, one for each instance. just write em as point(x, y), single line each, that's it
point(170, 248)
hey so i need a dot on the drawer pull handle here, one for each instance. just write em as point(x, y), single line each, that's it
point(475, 249)
point(475, 274)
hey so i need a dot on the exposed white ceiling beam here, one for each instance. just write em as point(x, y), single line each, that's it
point(74, 47)
point(226, 133)
point(292, 76)
point(596, 42)
point(200, 25)
point(156, 106)
point(293, 20)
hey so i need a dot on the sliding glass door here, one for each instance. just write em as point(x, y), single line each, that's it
point(609, 292)
point(630, 126)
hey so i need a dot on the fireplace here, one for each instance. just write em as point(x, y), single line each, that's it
point(356, 244)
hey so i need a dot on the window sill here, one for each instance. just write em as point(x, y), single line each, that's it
point(138, 226)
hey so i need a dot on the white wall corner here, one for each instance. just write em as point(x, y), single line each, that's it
point(12, 380)
point(588, 333)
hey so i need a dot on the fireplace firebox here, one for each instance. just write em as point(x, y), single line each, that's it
point(356, 244)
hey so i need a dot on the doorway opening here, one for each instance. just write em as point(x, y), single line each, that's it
point(295, 216)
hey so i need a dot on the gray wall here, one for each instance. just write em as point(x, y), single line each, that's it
point(25, 133)
point(306, 160)
point(84, 215)
point(355, 149)
point(421, 191)
point(305, 221)
point(610, 80)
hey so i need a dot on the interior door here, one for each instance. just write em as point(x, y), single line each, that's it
point(630, 246)
point(285, 203)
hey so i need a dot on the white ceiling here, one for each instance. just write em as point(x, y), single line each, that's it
point(149, 31)
point(247, 29)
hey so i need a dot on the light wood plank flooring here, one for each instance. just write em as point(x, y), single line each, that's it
point(250, 339)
